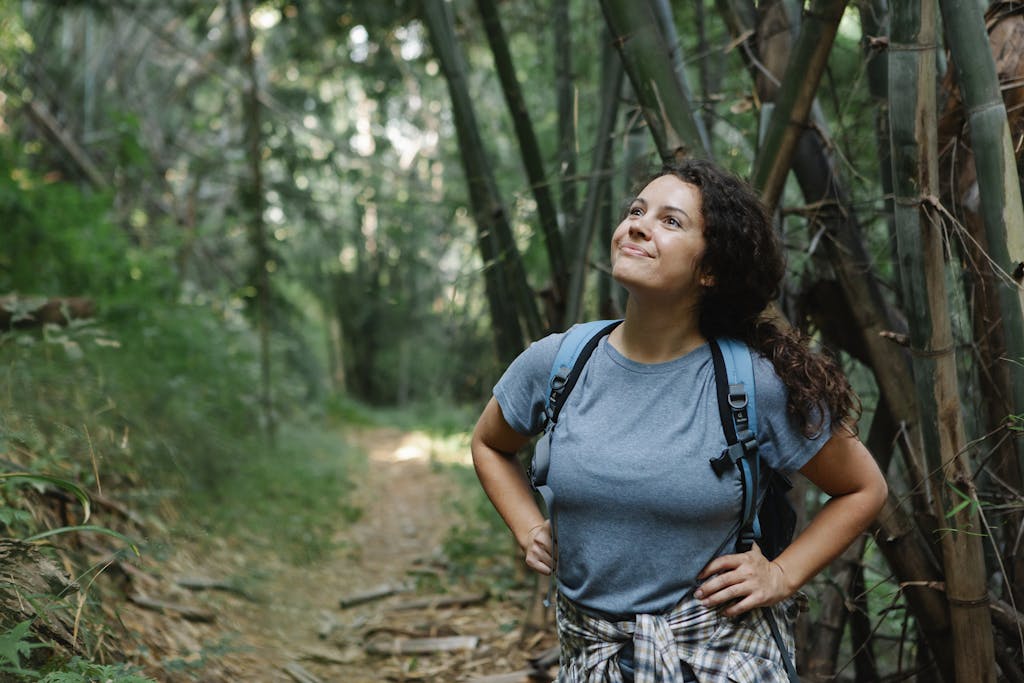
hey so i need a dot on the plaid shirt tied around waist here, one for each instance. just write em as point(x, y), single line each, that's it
point(719, 649)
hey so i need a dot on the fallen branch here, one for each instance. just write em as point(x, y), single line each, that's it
point(297, 672)
point(383, 591)
point(25, 312)
point(202, 583)
point(546, 659)
point(422, 646)
point(523, 676)
point(440, 602)
point(325, 655)
point(186, 612)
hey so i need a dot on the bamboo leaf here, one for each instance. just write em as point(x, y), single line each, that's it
point(85, 527)
point(75, 490)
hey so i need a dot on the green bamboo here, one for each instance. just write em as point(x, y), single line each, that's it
point(662, 11)
point(488, 211)
point(565, 95)
point(998, 182)
point(529, 148)
point(793, 102)
point(600, 171)
point(864, 314)
point(660, 90)
point(913, 132)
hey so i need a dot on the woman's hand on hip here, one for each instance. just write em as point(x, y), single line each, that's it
point(539, 549)
point(742, 581)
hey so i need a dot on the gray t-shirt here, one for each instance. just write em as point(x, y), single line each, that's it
point(639, 510)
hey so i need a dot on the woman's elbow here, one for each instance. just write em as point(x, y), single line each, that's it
point(878, 492)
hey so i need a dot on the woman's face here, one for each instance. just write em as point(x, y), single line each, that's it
point(658, 246)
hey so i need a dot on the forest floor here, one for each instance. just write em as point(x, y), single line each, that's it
point(293, 625)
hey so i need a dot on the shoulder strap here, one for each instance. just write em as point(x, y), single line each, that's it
point(734, 383)
point(573, 353)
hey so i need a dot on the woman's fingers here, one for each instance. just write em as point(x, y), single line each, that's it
point(741, 581)
point(538, 551)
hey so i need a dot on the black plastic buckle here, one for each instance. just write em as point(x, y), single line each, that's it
point(748, 441)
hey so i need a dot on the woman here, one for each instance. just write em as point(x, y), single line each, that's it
point(647, 576)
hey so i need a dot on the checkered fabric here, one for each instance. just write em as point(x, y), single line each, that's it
point(719, 649)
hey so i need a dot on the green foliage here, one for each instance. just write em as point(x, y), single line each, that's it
point(78, 670)
point(15, 644)
point(289, 500)
point(479, 547)
point(57, 239)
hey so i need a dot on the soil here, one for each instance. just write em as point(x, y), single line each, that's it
point(293, 623)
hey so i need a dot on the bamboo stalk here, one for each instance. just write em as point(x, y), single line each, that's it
point(533, 162)
point(920, 245)
point(505, 297)
point(600, 170)
point(793, 102)
point(662, 92)
point(1000, 338)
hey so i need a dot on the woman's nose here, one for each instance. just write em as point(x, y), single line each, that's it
point(638, 227)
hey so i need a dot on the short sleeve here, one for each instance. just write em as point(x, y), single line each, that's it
point(781, 441)
point(522, 390)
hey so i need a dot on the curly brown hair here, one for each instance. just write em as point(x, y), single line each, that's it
point(746, 263)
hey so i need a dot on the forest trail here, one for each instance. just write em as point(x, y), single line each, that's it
point(295, 617)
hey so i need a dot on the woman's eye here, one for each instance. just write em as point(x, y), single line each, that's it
point(673, 222)
point(635, 211)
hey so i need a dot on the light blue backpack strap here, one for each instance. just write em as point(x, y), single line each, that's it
point(568, 351)
point(573, 344)
point(739, 367)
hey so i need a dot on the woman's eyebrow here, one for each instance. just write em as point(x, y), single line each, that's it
point(669, 207)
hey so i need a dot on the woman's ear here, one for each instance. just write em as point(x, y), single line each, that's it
point(707, 280)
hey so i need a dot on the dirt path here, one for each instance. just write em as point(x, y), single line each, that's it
point(297, 619)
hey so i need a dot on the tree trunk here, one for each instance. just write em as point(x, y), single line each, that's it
point(662, 93)
point(508, 292)
point(253, 201)
point(920, 245)
point(533, 160)
point(34, 589)
point(796, 95)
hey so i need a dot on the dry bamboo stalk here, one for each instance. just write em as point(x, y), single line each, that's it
point(523, 676)
point(187, 612)
point(440, 602)
point(422, 646)
point(297, 672)
point(377, 593)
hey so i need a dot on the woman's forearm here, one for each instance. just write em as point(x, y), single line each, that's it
point(505, 483)
point(494, 445)
point(845, 470)
point(832, 530)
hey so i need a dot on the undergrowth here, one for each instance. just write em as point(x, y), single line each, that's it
point(156, 413)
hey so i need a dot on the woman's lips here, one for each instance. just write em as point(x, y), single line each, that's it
point(633, 250)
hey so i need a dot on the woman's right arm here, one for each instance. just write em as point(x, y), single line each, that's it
point(494, 448)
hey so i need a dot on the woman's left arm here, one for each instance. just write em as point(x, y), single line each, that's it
point(844, 470)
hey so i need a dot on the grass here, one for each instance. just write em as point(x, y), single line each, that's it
point(289, 500)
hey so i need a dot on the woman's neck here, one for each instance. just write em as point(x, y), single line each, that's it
point(655, 334)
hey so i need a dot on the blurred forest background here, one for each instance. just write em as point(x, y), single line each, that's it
point(233, 232)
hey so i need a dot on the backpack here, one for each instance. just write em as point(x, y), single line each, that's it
point(766, 513)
